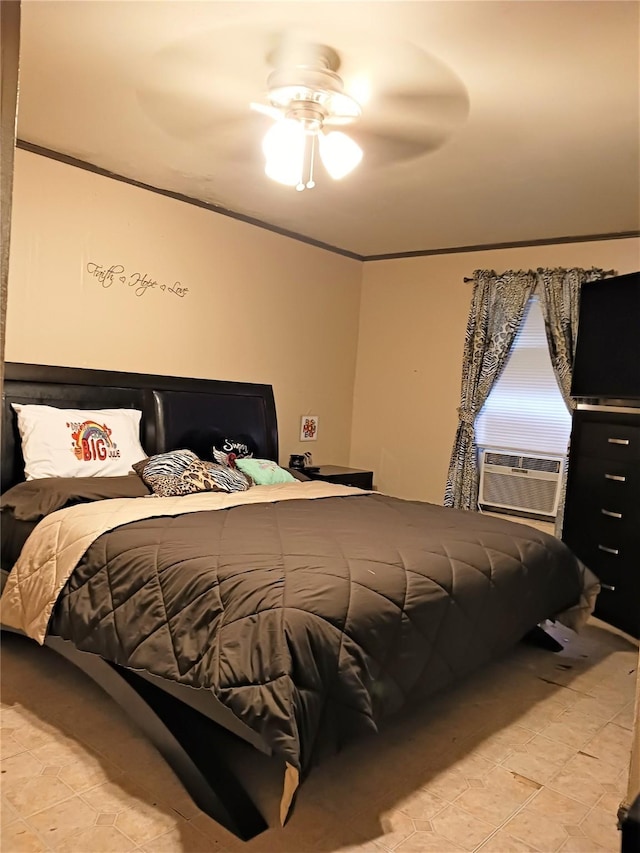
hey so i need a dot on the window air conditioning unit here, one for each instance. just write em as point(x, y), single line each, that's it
point(527, 483)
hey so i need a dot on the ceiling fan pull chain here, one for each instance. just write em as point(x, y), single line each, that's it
point(306, 178)
point(311, 183)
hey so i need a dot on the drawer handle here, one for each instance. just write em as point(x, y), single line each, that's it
point(618, 441)
point(611, 514)
point(614, 551)
point(608, 586)
point(618, 477)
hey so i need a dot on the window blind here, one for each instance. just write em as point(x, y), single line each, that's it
point(525, 410)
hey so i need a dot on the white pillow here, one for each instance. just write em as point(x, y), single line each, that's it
point(78, 442)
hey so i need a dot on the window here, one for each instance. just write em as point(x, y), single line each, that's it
point(525, 410)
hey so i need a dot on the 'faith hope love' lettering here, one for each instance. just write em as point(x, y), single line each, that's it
point(138, 282)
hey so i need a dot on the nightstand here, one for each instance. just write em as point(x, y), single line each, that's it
point(345, 476)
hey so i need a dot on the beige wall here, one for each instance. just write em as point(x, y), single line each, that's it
point(260, 307)
point(412, 325)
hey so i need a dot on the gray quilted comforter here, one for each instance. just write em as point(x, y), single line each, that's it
point(314, 620)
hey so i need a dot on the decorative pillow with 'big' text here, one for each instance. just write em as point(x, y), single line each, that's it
point(78, 442)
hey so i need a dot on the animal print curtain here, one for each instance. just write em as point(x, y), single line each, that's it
point(497, 308)
point(559, 292)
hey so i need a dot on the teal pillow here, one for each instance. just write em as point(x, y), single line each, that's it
point(264, 472)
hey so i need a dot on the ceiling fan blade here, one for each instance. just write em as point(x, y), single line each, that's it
point(209, 87)
point(179, 113)
point(383, 147)
point(438, 106)
point(190, 86)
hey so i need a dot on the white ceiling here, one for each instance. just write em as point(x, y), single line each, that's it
point(540, 143)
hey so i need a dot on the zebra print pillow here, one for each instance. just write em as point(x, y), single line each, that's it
point(180, 472)
point(170, 464)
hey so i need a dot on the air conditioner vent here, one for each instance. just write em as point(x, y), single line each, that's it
point(502, 459)
point(525, 483)
point(532, 463)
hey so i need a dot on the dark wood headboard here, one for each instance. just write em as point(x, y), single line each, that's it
point(171, 407)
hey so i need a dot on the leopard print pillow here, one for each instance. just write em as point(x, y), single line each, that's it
point(168, 485)
point(198, 476)
point(201, 477)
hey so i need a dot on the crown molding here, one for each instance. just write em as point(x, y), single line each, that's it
point(250, 220)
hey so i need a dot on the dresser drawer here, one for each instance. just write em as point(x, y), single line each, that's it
point(610, 483)
point(603, 533)
point(612, 561)
point(610, 509)
point(607, 552)
point(616, 441)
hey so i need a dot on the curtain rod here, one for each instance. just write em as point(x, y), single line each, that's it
point(606, 272)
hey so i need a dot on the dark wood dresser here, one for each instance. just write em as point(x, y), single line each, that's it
point(602, 507)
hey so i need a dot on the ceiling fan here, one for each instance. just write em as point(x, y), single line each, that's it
point(306, 98)
point(390, 102)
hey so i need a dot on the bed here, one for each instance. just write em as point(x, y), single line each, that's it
point(297, 615)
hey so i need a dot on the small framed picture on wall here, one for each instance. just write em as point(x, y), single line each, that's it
point(308, 428)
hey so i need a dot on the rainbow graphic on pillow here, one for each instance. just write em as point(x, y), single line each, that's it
point(91, 442)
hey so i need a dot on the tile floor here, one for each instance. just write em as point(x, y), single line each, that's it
point(531, 754)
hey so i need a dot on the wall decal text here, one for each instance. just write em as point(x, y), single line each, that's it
point(139, 282)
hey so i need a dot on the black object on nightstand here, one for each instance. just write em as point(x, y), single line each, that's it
point(345, 476)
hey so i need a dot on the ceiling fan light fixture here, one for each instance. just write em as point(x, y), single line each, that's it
point(340, 106)
point(290, 150)
point(284, 151)
point(317, 86)
point(339, 153)
point(305, 94)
